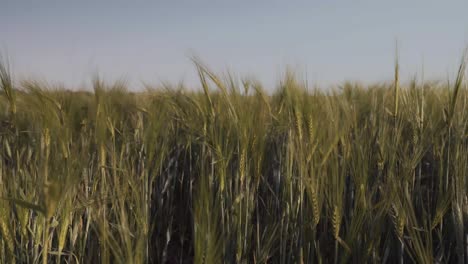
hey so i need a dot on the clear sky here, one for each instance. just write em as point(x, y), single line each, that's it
point(327, 41)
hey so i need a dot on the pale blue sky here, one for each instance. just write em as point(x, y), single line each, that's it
point(330, 41)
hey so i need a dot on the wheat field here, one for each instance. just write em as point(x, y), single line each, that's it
point(231, 173)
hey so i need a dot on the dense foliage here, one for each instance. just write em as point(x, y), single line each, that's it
point(232, 174)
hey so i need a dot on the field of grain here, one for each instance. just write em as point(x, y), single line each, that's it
point(230, 173)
